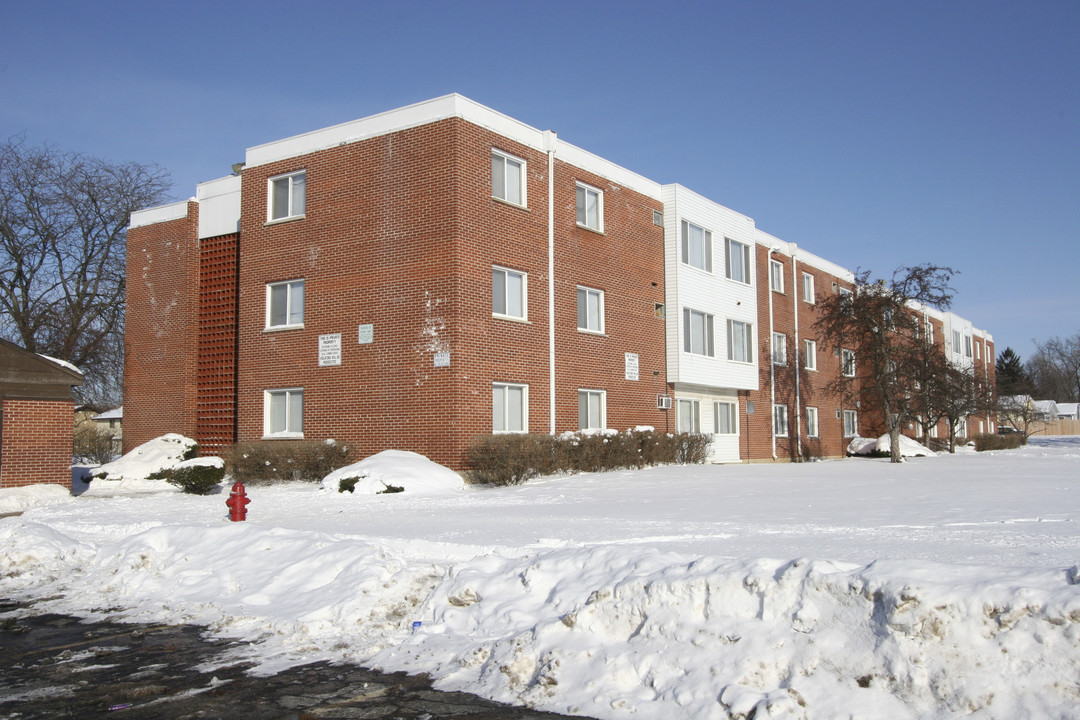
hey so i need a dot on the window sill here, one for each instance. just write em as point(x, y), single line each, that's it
point(511, 204)
point(594, 333)
point(511, 318)
point(281, 328)
point(279, 221)
point(598, 231)
point(284, 436)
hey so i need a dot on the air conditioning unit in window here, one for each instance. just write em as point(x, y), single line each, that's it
point(663, 402)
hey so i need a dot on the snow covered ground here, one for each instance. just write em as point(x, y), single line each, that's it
point(941, 587)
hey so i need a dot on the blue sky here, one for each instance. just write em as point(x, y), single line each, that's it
point(874, 134)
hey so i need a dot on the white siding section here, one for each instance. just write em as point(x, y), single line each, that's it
point(161, 213)
point(219, 206)
point(956, 353)
point(709, 292)
point(724, 448)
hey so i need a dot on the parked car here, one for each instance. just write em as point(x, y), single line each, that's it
point(1006, 430)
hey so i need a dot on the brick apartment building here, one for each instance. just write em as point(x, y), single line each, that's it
point(420, 277)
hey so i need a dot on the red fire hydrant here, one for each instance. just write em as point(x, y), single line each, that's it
point(238, 502)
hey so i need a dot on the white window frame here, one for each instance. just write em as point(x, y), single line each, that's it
point(507, 162)
point(584, 294)
point(967, 346)
point(776, 276)
point(811, 422)
point(956, 342)
point(291, 287)
point(295, 202)
point(291, 396)
point(729, 409)
point(700, 258)
point(780, 420)
point(705, 345)
point(851, 423)
point(694, 408)
point(500, 409)
point(810, 355)
point(847, 362)
point(748, 345)
point(808, 292)
point(524, 300)
point(582, 193)
point(588, 422)
point(731, 249)
point(779, 349)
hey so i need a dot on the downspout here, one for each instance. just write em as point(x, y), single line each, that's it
point(796, 289)
point(549, 145)
point(772, 365)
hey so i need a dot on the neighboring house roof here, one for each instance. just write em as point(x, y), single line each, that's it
point(1015, 401)
point(1068, 411)
point(27, 375)
point(1047, 408)
point(114, 414)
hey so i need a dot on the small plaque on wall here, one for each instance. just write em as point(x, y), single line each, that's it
point(329, 350)
point(442, 359)
point(366, 334)
point(631, 366)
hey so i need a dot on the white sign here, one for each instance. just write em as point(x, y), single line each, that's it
point(329, 350)
point(442, 359)
point(366, 334)
point(631, 366)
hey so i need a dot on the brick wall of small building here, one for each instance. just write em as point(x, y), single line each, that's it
point(161, 329)
point(37, 442)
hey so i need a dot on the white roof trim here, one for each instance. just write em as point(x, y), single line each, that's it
point(159, 214)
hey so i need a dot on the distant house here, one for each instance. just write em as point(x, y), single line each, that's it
point(1068, 411)
point(36, 410)
point(111, 422)
point(1046, 410)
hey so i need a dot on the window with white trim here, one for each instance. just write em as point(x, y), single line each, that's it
point(811, 422)
point(740, 336)
point(590, 310)
point(776, 276)
point(696, 246)
point(779, 349)
point(810, 354)
point(509, 293)
point(507, 178)
point(688, 416)
point(724, 418)
point(286, 196)
point(697, 332)
point(509, 408)
point(929, 331)
point(283, 413)
point(590, 207)
point(285, 304)
point(967, 346)
point(847, 363)
point(851, 423)
point(956, 342)
point(738, 261)
point(961, 427)
point(808, 287)
point(592, 409)
point(779, 416)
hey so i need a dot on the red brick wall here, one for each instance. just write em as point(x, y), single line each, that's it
point(161, 329)
point(37, 442)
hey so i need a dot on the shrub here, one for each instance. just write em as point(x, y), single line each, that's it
point(274, 461)
point(513, 459)
point(92, 444)
point(197, 477)
point(998, 442)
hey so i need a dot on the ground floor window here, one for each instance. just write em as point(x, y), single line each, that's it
point(811, 422)
point(780, 425)
point(851, 423)
point(725, 418)
point(283, 412)
point(510, 408)
point(688, 418)
point(592, 409)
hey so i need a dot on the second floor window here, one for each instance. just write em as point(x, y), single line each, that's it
point(740, 341)
point(508, 293)
point(590, 207)
point(697, 332)
point(779, 349)
point(287, 196)
point(590, 310)
point(738, 261)
point(696, 246)
point(285, 304)
point(847, 363)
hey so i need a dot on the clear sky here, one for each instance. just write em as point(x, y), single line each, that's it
point(874, 134)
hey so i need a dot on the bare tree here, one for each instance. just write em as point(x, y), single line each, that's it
point(1055, 369)
point(880, 324)
point(63, 226)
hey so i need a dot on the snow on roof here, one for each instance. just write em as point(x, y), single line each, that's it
point(114, 414)
point(61, 363)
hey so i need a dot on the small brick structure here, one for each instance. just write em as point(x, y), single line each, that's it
point(36, 418)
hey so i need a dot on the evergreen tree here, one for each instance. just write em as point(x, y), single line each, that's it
point(1012, 378)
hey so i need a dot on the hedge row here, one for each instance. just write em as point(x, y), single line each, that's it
point(512, 459)
point(274, 461)
point(998, 442)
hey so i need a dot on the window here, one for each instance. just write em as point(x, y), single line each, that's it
point(510, 408)
point(283, 412)
point(507, 178)
point(590, 310)
point(590, 207)
point(592, 409)
point(697, 332)
point(811, 422)
point(810, 363)
point(738, 261)
point(725, 418)
point(776, 276)
point(956, 341)
point(851, 423)
point(740, 341)
point(508, 293)
point(961, 427)
point(847, 363)
point(696, 246)
point(779, 349)
point(807, 287)
point(967, 346)
point(978, 351)
point(779, 420)
point(286, 196)
point(688, 417)
point(929, 331)
point(285, 304)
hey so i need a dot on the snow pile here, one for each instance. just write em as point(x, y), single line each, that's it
point(883, 446)
point(411, 472)
point(61, 363)
point(131, 472)
point(209, 461)
point(18, 499)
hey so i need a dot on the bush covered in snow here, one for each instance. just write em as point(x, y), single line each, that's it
point(149, 460)
point(197, 476)
point(881, 447)
point(393, 471)
point(512, 459)
point(273, 461)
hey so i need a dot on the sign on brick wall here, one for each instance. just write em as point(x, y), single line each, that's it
point(631, 366)
point(365, 334)
point(329, 350)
